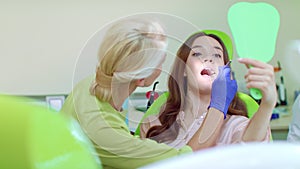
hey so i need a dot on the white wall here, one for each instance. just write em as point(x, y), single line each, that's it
point(41, 41)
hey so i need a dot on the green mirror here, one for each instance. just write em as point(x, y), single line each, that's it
point(254, 27)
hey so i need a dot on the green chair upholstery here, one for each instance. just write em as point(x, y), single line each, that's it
point(37, 138)
point(250, 103)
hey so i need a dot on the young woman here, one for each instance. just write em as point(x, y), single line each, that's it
point(195, 88)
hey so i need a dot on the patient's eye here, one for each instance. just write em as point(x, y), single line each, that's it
point(217, 55)
point(196, 54)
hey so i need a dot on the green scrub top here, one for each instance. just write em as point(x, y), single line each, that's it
point(108, 131)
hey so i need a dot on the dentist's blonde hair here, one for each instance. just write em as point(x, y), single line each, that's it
point(131, 49)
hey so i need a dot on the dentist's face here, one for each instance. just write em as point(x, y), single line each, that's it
point(149, 80)
point(205, 57)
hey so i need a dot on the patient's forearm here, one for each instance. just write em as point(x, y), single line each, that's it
point(258, 125)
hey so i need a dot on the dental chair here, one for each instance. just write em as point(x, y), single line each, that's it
point(37, 138)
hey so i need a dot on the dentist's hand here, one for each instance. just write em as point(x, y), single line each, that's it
point(223, 90)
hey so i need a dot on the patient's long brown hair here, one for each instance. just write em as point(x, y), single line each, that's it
point(168, 130)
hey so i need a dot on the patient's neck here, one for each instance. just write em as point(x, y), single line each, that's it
point(196, 104)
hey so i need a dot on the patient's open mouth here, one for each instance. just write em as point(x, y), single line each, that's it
point(207, 71)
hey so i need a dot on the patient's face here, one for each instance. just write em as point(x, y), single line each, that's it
point(203, 62)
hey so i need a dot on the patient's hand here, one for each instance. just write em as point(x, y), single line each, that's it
point(261, 76)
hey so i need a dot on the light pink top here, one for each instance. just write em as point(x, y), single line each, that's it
point(232, 130)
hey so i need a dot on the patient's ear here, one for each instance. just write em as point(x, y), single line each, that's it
point(140, 82)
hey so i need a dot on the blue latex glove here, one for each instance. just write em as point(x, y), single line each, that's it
point(223, 90)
